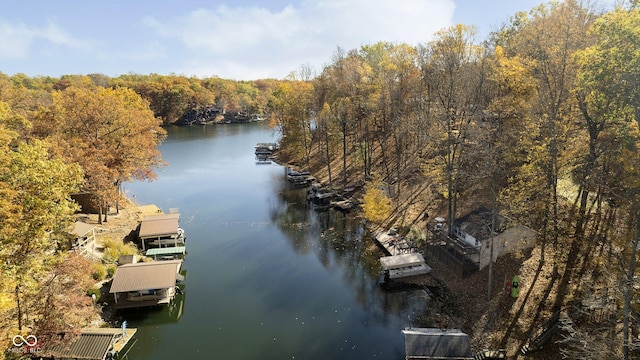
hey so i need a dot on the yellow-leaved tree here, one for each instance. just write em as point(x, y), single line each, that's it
point(36, 212)
point(376, 205)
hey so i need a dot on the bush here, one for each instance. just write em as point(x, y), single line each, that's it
point(95, 292)
point(113, 249)
point(111, 270)
point(98, 272)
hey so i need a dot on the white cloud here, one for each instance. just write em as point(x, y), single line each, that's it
point(149, 51)
point(238, 41)
point(16, 39)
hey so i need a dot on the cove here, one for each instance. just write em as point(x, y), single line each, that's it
point(266, 276)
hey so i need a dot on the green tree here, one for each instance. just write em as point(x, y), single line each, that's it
point(291, 112)
point(35, 219)
point(453, 69)
point(609, 94)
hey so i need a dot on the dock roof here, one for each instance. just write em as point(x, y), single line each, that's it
point(145, 276)
point(92, 344)
point(397, 261)
point(437, 344)
point(166, 251)
point(158, 225)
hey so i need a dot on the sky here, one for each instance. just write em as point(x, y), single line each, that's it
point(240, 40)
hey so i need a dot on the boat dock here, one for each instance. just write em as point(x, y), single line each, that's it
point(399, 266)
point(393, 243)
point(168, 253)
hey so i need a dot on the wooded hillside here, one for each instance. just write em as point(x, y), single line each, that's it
point(538, 122)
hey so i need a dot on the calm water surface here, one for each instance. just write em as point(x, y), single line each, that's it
point(266, 276)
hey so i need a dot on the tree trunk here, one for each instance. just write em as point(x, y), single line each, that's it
point(327, 154)
point(493, 224)
point(628, 292)
point(19, 307)
point(344, 151)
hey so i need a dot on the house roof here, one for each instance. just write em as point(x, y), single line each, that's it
point(478, 223)
point(434, 343)
point(158, 225)
point(81, 229)
point(145, 276)
point(397, 261)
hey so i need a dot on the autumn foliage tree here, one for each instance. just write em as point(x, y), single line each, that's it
point(111, 133)
point(36, 215)
point(376, 205)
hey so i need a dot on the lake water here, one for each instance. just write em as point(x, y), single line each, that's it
point(267, 277)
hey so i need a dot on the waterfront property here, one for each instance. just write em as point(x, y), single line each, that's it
point(436, 344)
point(145, 283)
point(399, 266)
point(85, 237)
point(92, 344)
point(470, 249)
point(160, 230)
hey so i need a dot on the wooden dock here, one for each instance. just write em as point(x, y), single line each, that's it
point(393, 243)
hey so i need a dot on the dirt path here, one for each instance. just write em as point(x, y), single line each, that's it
point(119, 225)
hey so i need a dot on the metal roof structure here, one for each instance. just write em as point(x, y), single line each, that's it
point(403, 260)
point(159, 225)
point(145, 276)
point(91, 344)
point(166, 251)
point(437, 344)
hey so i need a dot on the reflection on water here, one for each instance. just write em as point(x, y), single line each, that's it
point(268, 277)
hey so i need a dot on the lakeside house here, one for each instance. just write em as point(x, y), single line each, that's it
point(145, 283)
point(436, 344)
point(469, 247)
point(160, 230)
point(85, 237)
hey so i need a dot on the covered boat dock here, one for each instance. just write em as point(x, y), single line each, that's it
point(399, 266)
point(160, 230)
